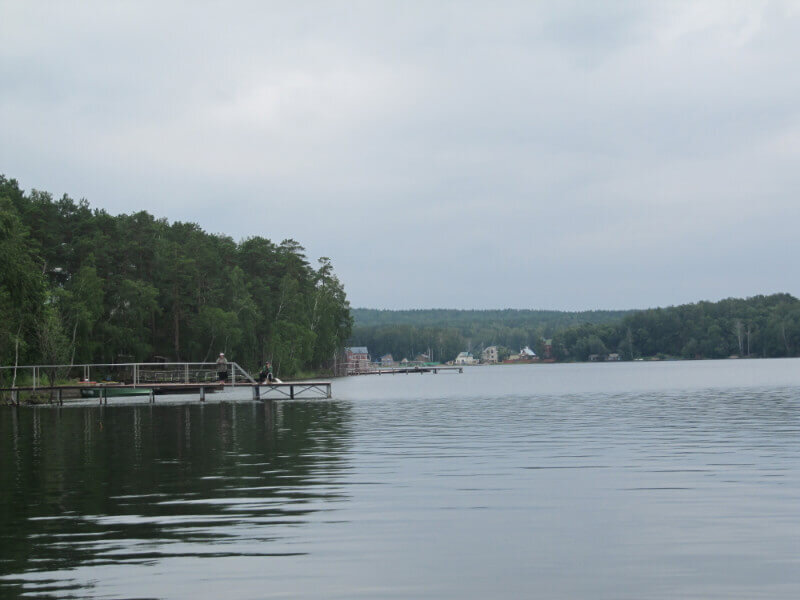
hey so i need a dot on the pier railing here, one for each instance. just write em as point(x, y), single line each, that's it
point(136, 374)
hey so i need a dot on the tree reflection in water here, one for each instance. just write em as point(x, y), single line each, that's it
point(105, 484)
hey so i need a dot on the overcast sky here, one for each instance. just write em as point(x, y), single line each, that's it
point(561, 155)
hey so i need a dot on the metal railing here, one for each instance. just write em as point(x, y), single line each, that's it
point(177, 372)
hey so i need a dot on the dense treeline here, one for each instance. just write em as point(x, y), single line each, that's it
point(79, 285)
point(445, 333)
point(468, 319)
point(762, 326)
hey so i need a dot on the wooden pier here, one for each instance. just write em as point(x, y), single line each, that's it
point(293, 390)
point(307, 390)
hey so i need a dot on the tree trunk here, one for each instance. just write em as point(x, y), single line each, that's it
point(748, 339)
point(785, 341)
point(176, 323)
point(739, 335)
point(16, 356)
point(74, 333)
point(630, 344)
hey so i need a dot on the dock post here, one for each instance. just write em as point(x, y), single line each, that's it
point(291, 392)
point(202, 394)
point(152, 395)
point(329, 390)
point(59, 396)
point(15, 397)
point(256, 394)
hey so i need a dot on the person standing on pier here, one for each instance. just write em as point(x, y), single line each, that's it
point(222, 367)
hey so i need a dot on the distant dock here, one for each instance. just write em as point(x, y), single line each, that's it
point(405, 370)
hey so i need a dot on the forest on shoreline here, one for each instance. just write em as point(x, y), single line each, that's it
point(78, 285)
point(760, 326)
point(445, 332)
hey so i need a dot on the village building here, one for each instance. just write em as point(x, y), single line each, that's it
point(387, 360)
point(465, 358)
point(357, 358)
point(489, 355)
point(526, 355)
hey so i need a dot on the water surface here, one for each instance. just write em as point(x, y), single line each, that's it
point(629, 480)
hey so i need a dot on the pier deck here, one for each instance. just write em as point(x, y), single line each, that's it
point(293, 390)
point(287, 389)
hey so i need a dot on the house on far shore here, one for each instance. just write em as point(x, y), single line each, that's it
point(387, 360)
point(613, 356)
point(526, 355)
point(357, 358)
point(489, 355)
point(465, 358)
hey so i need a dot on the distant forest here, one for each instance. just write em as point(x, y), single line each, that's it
point(78, 285)
point(761, 326)
point(549, 319)
point(445, 333)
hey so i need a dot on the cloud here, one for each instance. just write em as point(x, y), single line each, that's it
point(442, 154)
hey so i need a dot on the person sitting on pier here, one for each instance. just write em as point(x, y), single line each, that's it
point(222, 367)
point(266, 375)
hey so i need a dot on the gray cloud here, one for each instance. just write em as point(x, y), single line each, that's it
point(442, 154)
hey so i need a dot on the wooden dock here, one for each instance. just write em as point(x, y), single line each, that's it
point(406, 370)
point(288, 389)
point(293, 390)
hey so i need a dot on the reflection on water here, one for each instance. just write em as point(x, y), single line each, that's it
point(96, 486)
point(655, 481)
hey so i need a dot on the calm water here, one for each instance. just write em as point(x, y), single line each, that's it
point(637, 480)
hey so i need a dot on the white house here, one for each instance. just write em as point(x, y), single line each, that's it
point(465, 358)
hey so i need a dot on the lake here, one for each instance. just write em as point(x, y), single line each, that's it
point(626, 480)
